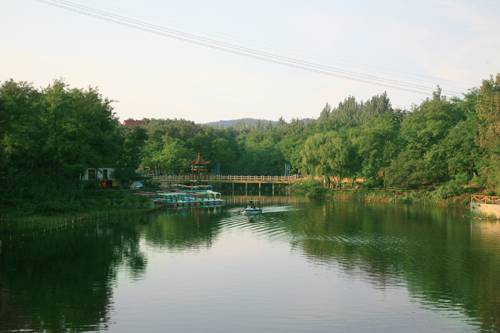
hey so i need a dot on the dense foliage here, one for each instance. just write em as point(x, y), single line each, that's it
point(435, 142)
point(50, 136)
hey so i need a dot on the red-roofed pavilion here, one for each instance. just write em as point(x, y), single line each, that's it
point(199, 165)
point(131, 123)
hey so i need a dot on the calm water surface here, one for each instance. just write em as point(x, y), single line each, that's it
point(301, 266)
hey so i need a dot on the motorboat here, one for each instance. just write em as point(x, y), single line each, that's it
point(253, 207)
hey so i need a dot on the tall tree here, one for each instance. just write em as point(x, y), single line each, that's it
point(378, 144)
point(173, 156)
point(488, 109)
point(329, 155)
point(51, 136)
point(424, 130)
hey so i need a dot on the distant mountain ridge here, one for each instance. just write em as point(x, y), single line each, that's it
point(248, 122)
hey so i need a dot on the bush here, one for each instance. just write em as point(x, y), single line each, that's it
point(131, 199)
point(491, 193)
point(307, 185)
point(319, 190)
point(103, 202)
point(117, 202)
point(451, 189)
point(143, 198)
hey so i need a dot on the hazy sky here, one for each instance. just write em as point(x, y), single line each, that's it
point(455, 44)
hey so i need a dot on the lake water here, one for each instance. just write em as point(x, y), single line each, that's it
point(302, 266)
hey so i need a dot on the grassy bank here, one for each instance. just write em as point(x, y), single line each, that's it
point(86, 205)
point(451, 194)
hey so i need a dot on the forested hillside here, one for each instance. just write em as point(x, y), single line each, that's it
point(50, 136)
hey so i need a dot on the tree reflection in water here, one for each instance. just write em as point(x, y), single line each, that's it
point(63, 280)
point(445, 261)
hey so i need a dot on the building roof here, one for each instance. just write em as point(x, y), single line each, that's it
point(199, 161)
point(131, 123)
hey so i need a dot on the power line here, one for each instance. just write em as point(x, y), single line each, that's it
point(244, 51)
point(380, 70)
point(288, 50)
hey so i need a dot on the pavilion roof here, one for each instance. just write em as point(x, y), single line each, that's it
point(199, 161)
point(131, 123)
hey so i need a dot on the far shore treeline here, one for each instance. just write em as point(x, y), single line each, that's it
point(50, 136)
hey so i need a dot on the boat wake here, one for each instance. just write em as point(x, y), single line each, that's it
point(278, 209)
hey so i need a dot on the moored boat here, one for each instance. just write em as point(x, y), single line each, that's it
point(175, 198)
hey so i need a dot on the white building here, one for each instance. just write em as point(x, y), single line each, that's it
point(98, 174)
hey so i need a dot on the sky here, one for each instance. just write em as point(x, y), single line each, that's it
point(163, 58)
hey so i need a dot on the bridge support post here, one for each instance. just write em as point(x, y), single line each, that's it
point(273, 189)
point(246, 187)
point(233, 188)
point(259, 188)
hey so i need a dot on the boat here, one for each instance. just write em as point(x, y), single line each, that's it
point(174, 199)
point(207, 197)
point(190, 197)
point(253, 207)
point(168, 199)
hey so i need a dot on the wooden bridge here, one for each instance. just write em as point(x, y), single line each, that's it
point(226, 179)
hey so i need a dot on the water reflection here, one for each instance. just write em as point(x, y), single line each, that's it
point(447, 263)
point(194, 210)
point(63, 280)
point(444, 261)
point(184, 228)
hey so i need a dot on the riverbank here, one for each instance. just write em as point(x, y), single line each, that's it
point(446, 195)
point(87, 205)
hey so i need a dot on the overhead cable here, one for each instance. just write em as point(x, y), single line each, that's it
point(245, 51)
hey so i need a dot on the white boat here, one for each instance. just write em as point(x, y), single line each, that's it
point(253, 207)
point(189, 199)
point(175, 199)
point(207, 197)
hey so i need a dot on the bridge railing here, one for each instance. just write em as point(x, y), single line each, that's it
point(485, 199)
point(228, 178)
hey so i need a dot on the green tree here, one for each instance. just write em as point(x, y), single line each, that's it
point(462, 151)
point(51, 136)
point(488, 109)
point(377, 144)
point(424, 130)
point(409, 169)
point(131, 152)
point(172, 157)
point(329, 155)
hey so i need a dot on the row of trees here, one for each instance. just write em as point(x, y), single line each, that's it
point(432, 143)
point(50, 136)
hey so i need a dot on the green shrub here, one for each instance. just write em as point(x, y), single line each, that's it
point(308, 185)
point(491, 193)
point(451, 189)
point(117, 201)
point(131, 199)
point(319, 190)
point(143, 198)
point(104, 201)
